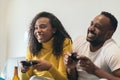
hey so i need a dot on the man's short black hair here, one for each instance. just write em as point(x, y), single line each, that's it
point(113, 20)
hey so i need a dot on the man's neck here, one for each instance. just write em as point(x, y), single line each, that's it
point(94, 48)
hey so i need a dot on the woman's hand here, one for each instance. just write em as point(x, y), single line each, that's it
point(69, 62)
point(42, 65)
point(24, 68)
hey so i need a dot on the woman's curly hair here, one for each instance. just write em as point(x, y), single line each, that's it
point(58, 39)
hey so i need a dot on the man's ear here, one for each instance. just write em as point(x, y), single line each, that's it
point(109, 34)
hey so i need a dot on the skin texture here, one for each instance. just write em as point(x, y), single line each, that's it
point(48, 44)
point(98, 32)
point(43, 33)
point(43, 30)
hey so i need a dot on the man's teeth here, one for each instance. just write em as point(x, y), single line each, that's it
point(90, 34)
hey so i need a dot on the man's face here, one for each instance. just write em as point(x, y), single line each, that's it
point(98, 30)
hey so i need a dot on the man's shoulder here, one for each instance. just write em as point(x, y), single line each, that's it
point(111, 47)
point(80, 41)
point(80, 38)
point(80, 44)
point(110, 44)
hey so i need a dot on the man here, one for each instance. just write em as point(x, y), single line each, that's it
point(97, 54)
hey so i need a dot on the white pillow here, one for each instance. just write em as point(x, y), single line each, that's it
point(8, 71)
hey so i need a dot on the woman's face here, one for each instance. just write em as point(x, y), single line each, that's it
point(43, 30)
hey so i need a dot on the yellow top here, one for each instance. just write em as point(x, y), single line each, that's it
point(58, 69)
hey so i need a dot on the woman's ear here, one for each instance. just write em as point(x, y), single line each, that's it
point(54, 30)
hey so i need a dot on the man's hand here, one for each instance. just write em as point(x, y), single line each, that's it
point(87, 64)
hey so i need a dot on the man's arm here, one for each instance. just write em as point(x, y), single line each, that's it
point(117, 72)
point(71, 67)
point(91, 68)
point(72, 74)
point(102, 74)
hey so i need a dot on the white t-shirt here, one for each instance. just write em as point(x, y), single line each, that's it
point(106, 58)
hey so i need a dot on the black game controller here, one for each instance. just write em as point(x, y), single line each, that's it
point(28, 63)
point(74, 57)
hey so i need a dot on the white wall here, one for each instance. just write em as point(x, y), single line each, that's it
point(3, 33)
point(75, 15)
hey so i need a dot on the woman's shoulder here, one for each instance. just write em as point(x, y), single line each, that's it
point(67, 40)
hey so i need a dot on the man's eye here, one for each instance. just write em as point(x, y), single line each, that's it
point(98, 26)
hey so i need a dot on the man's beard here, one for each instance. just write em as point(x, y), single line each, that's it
point(95, 42)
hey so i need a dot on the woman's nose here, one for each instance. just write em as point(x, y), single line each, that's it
point(39, 30)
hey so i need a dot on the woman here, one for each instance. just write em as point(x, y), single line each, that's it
point(48, 44)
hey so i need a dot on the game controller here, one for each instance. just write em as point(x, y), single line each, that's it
point(28, 63)
point(74, 57)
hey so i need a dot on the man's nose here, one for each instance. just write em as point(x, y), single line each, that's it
point(92, 28)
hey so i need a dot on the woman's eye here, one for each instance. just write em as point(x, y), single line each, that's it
point(36, 27)
point(42, 26)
